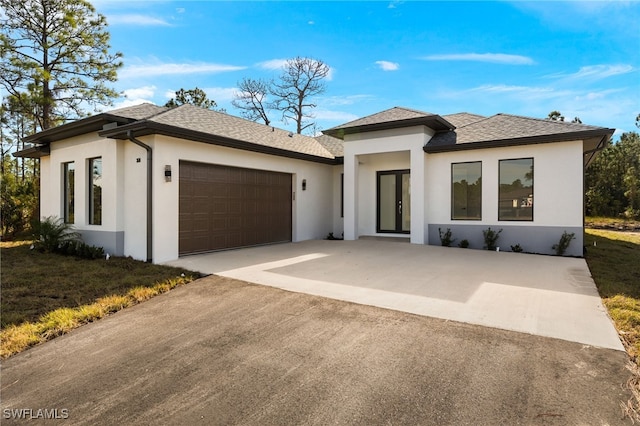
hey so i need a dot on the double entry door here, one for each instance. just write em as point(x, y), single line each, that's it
point(394, 200)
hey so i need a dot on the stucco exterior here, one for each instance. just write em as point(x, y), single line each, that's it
point(557, 206)
point(341, 174)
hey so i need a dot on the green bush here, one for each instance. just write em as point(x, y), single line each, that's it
point(516, 249)
point(445, 237)
point(51, 233)
point(463, 244)
point(564, 242)
point(490, 238)
point(80, 249)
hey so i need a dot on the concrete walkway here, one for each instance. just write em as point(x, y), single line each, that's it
point(541, 295)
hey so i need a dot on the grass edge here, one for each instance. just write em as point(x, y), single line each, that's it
point(17, 338)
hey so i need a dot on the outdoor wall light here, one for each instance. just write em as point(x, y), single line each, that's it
point(304, 184)
point(167, 173)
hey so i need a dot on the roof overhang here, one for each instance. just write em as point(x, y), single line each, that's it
point(434, 122)
point(85, 125)
point(145, 128)
point(603, 133)
point(37, 151)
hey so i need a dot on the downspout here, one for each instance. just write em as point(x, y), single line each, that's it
point(601, 145)
point(149, 194)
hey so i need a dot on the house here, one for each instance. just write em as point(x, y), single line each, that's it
point(157, 183)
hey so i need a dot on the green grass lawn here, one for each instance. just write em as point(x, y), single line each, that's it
point(614, 260)
point(47, 294)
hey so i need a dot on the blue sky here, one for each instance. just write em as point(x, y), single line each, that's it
point(525, 58)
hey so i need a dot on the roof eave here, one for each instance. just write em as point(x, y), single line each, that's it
point(37, 151)
point(144, 128)
point(526, 140)
point(79, 127)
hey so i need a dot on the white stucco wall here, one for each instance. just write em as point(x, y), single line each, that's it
point(557, 200)
point(367, 153)
point(557, 183)
point(80, 150)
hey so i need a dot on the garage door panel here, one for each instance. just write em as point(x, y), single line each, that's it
point(224, 207)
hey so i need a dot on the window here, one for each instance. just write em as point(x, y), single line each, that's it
point(516, 189)
point(95, 191)
point(466, 191)
point(68, 192)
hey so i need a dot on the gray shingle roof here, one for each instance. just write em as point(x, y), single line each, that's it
point(334, 145)
point(461, 119)
point(507, 127)
point(392, 114)
point(138, 112)
point(395, 117)
point(195, 119)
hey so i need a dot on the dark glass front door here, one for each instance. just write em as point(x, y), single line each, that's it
point(394, 199)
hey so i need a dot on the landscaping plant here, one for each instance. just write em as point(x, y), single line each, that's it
point(52, 232)
point(463, 244)
point(516, 249)
point(445, 238)
point(490, 238)
point(564, 242)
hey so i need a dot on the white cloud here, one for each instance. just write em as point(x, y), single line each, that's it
point(221, 94)
point(596, 72)
point(311, 22)
point(133, 19)
point(273, 64)
point(180, 9)
point(140, 92)
point(344, 100)
point(152, 70)
point(388, 66)
point(278, 65)
point(497, 58)
point(130, 102)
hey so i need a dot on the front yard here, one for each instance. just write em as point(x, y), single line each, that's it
point(47, 294)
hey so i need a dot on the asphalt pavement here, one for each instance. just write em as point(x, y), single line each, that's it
point(220, 351)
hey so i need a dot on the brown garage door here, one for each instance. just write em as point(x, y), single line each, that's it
point(225, 207)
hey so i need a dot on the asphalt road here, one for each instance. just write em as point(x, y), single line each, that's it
point(219, 351)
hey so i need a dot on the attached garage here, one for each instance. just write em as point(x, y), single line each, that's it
point(224, 207)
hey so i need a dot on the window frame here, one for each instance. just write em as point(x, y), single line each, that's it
point(68, 192)
point(91, 196)
point(500, 219)
point(453, 191)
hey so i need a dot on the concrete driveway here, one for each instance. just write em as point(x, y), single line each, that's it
point(220, 352)
point(542, 295)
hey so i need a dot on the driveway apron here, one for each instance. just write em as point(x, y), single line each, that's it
point(548, 296)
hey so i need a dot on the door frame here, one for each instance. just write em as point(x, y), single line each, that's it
point(398, 174)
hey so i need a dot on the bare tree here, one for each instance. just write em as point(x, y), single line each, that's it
point(251, 99)
point(301, 80)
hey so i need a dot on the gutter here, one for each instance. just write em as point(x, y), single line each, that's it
point(149, 193)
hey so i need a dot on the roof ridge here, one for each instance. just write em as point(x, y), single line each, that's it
point(547, 120)
point(426, 113)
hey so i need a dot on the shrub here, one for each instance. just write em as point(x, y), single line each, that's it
point(445, 238)
point(516, 248)
point(491, 238)
point(463, 244)
point(51, 233)
point(564, 242)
